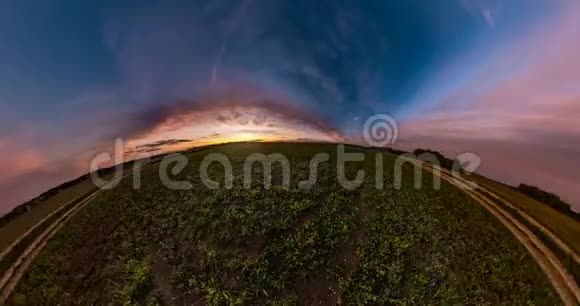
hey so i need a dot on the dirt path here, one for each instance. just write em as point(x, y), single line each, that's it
point(561, 244)
point(13, 274)
point(29, 231)
point(562, 281)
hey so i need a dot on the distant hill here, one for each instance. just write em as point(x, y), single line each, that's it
point(548, 198)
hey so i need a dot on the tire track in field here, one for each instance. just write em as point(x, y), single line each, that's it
point(39, 223)
point(562, 281)
point(17, 269)
point(533, 221)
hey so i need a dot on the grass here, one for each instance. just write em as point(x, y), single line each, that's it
point(565, 227)
point(13, 254)
point(276, 246)
point(20, 225)
point(566, 259)
point(136, 280)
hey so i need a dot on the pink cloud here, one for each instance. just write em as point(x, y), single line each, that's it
point(17, 160)
point(30, 165)
point(520, 113)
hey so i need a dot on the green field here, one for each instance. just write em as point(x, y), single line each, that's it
point(326, 244)
point(565, 227)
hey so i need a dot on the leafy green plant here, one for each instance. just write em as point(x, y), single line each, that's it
point(135, 282)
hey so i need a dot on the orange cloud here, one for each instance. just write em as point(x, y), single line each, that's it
point(230, 122)
point(239, 114)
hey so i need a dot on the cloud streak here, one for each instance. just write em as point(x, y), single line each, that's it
point(520, 112)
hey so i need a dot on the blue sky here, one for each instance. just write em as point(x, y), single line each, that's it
point(57, 51)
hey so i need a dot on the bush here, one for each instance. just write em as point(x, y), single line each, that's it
point(547, 198)
point(444, 162)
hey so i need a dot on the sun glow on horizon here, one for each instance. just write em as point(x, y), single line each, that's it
point(183, 139)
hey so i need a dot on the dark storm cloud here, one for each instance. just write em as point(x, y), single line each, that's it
point(265, 132)
point(304, 139)
point(144, 150)
point(212, 136)
point(163, 143)
point(157, 146)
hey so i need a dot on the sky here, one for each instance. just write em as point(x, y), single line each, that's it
point(500, 79)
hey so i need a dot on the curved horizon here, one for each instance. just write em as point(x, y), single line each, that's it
point(496, 79)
